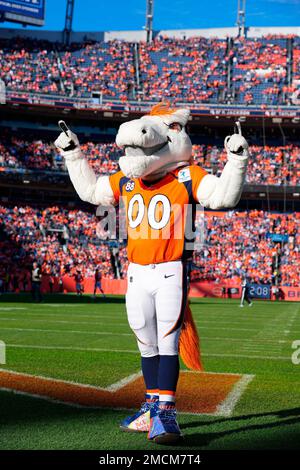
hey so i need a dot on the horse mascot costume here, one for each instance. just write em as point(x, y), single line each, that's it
point(160, 187)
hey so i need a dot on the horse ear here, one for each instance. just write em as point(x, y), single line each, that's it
point(183, 114)
point(180, 115)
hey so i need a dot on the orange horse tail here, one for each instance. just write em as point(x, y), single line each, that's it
point(189, 344)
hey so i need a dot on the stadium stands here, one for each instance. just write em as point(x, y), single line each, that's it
point(193, 70)
point(44, 67)
point(296, 59)
point(273, 165)
point(238, 243)
point(259, 70)
point(269, 165)
point(104, 67)
point(28, 65)
point(63, 241)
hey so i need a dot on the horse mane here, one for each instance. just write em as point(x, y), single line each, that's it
point(162, 109)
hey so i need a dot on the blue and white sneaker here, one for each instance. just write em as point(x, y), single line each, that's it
point(164, 428)
point(140, 421)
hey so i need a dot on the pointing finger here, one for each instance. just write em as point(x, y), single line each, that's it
point(238, 127)
point(63, 127)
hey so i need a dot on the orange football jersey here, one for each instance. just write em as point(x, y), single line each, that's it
point(157, 214)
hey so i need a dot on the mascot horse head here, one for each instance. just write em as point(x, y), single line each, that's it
point(155, 144)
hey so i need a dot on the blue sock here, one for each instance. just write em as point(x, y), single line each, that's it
point(150, 367)
point(168, 374)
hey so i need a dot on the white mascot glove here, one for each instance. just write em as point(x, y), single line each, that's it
point(68, 143)
point(236, 146)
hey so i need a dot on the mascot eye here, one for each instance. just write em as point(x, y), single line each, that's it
point(175, 126)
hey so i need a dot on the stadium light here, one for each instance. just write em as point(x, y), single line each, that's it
point(69, 21)
point(149, 20)
point(241, 17)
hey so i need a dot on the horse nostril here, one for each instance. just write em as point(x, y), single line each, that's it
point(144, 131)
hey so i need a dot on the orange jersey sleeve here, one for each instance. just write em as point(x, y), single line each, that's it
point(115, 180)
point(197, 173)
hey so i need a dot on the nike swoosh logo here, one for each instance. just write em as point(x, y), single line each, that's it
point(170, 275)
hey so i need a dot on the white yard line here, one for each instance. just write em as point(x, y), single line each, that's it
point(226, 329)
point(132, 351)
point(198, 316)
point(290, 324)
point(8, 309)
point(116, 317)
point(39, 330)
point(238, 314)
point(70, 315)
point(123, 323)
point(258, 351)
point(248, 356)
point(121, 383)
point(111, 333)
point(71, 348)
point(60, 305)
point(100, 323)
point(227, 406)
point(110, 388)
point(43, 320)
point(262, 347)
point(242, 340)
point(275, 330)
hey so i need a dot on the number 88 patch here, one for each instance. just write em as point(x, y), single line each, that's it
point(129, 186)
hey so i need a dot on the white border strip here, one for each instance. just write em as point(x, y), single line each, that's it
point(111, 388)
point(225, 409)
point(227, 406)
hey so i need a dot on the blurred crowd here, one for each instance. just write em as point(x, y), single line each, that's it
point(191, 70)
point(17, 153)
point(259, 70)
point(268, 165)
point(29, 65)
point(296, 59)
point(273, 165)
point(60, 240)
point(238, 244)
point(107, 68)
point(78, 70)
point(65, 242)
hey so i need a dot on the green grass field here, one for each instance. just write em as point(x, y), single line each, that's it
point(82, 341)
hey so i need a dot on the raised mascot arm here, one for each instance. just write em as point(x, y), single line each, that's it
point(88, 187)
point(225, 191)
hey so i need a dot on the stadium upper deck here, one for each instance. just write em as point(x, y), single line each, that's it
point(195, 70)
